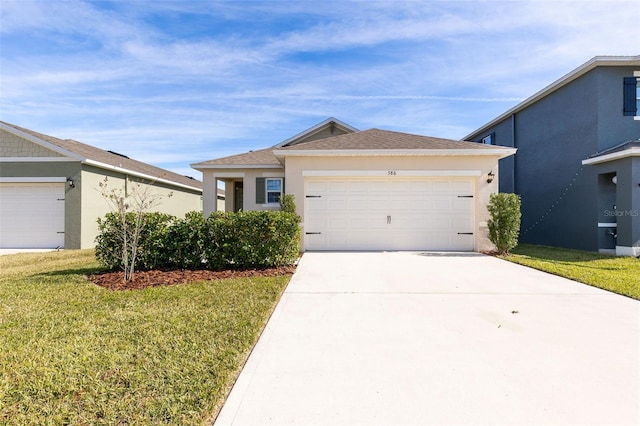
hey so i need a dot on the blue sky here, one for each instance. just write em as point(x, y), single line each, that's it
point(176, 82)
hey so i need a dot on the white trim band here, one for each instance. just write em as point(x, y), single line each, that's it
point(627, 251)
point(629, 152)
point(33, 179)
point(36, 159)
point(228, 175)
point(391, 173)
point(500, 152)
point(607, 225)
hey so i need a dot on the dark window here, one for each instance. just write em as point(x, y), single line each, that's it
point(490, 139)
point(631, 101)
point(274, 190)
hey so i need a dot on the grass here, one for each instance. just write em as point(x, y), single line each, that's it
point(616, 274)
point(75, 353)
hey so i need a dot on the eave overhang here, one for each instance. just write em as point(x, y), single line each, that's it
point(501, 152)
point(629, 152)
point(234, 166)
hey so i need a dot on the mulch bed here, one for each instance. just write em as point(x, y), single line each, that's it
point(144, 279)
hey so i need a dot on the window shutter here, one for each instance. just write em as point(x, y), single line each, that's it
point(260, 191)
point(283, 187)
point(630, 85)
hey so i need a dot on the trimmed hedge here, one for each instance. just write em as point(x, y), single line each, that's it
point(251, 239)
point(254, 239)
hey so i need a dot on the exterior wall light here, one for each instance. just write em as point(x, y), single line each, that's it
point(70, 182)
point(490, 176)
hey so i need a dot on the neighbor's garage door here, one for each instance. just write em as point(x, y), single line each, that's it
point(31, 215)
point(389, 214)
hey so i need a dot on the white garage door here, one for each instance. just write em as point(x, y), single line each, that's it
point(31, 215)
point(389, 214)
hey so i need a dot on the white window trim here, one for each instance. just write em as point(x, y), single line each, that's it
point(266, 190)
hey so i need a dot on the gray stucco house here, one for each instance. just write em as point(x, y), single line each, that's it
point(578, 163)
point(49, 194)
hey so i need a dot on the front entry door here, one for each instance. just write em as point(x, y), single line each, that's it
point(238, 194)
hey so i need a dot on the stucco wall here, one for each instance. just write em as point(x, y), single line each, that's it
point(94, 204)
point(15, 146)
point(248, 176)
point(295, 167)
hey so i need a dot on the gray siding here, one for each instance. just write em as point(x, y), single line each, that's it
point(553, 136)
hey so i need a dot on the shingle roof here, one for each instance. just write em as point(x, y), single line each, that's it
point(262, 157)
point(89, 152)
point(373, 139)
point(376, 139)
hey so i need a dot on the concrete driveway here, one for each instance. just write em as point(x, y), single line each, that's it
point(442, 339)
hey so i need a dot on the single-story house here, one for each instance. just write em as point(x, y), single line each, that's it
point(49, 189)
point(367, 190)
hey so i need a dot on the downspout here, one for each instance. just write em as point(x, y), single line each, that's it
point(515, 157)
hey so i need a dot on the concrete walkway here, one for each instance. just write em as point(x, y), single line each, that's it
point(441, 339)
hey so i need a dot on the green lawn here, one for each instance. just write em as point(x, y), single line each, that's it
point(617, 274)
point(75, 353)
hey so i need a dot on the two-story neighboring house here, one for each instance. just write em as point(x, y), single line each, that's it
point(578, 163)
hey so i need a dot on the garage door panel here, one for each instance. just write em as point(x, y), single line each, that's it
point(383, 214)
point(32, 215)
point(462, 186)
point(336, 204)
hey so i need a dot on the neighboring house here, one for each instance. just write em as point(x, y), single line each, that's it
point(49, 189)
point(367, 190)
point(578, 163)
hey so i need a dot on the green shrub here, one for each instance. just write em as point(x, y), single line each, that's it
point(288, 203)
point(151, 252)
point(185, 241)
point(252, 239)
point(504, 225)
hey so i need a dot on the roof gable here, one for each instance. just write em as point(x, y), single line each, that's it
point(327, 128)
point(100, 158)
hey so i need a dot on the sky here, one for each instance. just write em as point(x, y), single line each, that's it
point(173, 83)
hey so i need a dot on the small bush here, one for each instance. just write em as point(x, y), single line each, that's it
point(185, 241)
point(504, 225)
point(152, 247)
point(151, 252)
point(288, 203)
point(252, 239)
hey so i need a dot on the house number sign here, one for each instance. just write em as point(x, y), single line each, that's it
point(392, 172)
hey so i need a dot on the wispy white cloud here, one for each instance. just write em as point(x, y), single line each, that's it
point(155, 79)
